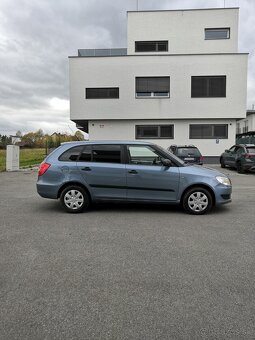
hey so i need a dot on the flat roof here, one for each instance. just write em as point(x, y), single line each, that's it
point(184, 10)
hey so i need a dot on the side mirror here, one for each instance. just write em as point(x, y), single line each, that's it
point(166, 162)
point(227, 151)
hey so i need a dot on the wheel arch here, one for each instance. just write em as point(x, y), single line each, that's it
point(200, 185)
point(68, 184)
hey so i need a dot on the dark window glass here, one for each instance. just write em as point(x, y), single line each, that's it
point(208, 131)
point(102, 93)
point(208, 86)
point(152, 86)
point(217, 33)
point(220, 131)
point(154, 131)
point(151, 46)
point(72, 154)
point(106, 153)
point(183, 152)
point(85, 155)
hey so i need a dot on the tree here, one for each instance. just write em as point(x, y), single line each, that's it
point(79, 135)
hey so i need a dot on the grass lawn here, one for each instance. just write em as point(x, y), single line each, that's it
point(28, 157)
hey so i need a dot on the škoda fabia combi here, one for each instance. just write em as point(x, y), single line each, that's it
point(81, 173)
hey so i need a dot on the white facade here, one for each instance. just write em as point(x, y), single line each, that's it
point(189, 54)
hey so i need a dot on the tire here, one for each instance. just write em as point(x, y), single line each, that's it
point(222, 164)
point(239, 168)
point(75, 199)
point(197, 201)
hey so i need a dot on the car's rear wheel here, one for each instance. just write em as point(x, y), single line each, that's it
point(197, 201)
point(222, 164)
point(75, 199)
point(239, 168)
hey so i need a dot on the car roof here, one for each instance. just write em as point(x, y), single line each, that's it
point(184, 146)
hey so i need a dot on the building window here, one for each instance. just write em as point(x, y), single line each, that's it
point(238, 129)
point(102, 93)
point(208, 131)
point(217, 33)
point(152, 87)
point(154, 131)
point(151, 46)
point(208, 86)
point(245, 128)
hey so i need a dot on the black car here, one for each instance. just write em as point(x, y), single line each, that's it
point(240, 156)
point(188, 153)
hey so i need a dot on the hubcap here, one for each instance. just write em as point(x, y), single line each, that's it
point(198, 201)
point(73, 199)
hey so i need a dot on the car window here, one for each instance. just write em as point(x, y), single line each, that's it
point(71, 155)
point(106, 153)
point(183, 152)
point(85, 155)
point(250, 149)
point(239, 150)
point(143, 155)
point(233, 148)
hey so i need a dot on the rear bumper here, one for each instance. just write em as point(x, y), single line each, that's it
point(47, 191)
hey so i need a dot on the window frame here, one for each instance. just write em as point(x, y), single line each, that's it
point(158, 129)
point(152, 94)
point(102, 88)
point(216, 29)
point(156, 42)
point(208, 86)
point(122, 156)
point(213, 131)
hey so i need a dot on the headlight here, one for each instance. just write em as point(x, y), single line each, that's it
point(223, 180)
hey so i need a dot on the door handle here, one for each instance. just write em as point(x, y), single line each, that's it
point(132, 172)
point(87, 168)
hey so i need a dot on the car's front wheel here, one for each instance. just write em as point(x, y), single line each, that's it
point(75, 199)
point(197, 201)
point(239, 168)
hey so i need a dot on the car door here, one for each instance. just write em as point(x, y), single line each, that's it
point(230, 156)
point(104, 171)
point(147, 178)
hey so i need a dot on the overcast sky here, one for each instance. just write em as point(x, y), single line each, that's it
point(37, 36)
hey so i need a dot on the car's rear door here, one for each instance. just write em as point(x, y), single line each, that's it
point(103, 171)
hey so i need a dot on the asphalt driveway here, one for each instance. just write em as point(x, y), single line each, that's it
point(125, 271)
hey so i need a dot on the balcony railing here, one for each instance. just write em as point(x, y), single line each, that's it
point(102, 52)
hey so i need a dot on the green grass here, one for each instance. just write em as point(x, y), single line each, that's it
point(28, 157)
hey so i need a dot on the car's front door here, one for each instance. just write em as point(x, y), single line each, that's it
point(230, 156)
point(103, 171)
point(148, 178)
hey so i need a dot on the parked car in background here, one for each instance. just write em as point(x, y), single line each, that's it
point(241, 157)
point(80, 173)
point(188, 153)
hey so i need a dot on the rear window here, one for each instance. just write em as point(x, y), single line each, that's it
point(251, 150)
point(71, 155)
point(188, 151)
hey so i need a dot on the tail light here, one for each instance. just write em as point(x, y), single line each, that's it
point(43, 168)
point(201, 158)
point(247, 155)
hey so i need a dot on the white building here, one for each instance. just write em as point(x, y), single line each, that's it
point(246, 124)
point(181, 80)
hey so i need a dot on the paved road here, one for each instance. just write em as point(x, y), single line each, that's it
point(125, 272)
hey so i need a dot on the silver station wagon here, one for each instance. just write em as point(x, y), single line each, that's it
point(81, 173)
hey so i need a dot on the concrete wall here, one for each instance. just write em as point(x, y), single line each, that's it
point(184, 29)
point(121, 72)
point(125, 130)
